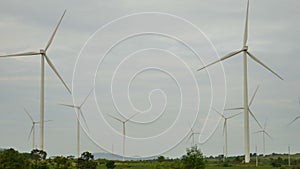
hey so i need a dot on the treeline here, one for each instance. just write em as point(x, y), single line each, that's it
point(37, 159)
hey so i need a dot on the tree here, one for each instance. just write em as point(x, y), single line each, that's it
point(86, 161)
point(38, 155)
point(12, 159)
point(86, 156)
point(160, 158)
point(193, 159)
point(110, 165)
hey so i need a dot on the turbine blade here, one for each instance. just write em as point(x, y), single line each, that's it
point(255, 118)
point(219, 113)
point(234, 115)
point(268, 134)
point(111, 116)
point(86, 97)
point(28, 114)
point(246, 25)
point(56, 72)
point(131, 117)
point(223, 58)
point(259, 131)
point(68, 105)
point(22, 54)
point(53, 34)
point(265, 66)
point(237, 108)
point(294, 120)
point(84, 120)
point(31, 130)
point(251, 101)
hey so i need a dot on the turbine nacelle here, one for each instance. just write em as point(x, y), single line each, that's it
point(245, 48)
point(42, 51)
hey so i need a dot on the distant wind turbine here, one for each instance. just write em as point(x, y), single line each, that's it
point(79, 113)
point(124, 129)
point(44, 56)
point(264, 133)
point(297, 116)
point(192, 136)
point(32, 130)
point(225, 130)
point(249, 110)
point(245, 54)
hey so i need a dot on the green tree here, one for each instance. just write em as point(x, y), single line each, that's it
point(12, 159)
point(160, 158)
point(193, 159)
point(86, 161)
point(38, 155)
point(110, 165)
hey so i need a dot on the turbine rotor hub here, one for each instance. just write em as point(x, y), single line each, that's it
point(42, 51)
point(245, 48)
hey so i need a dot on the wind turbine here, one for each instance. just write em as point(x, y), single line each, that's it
point(79, 113)
point(124, 128)
point(249, 110)
point(192, 136)
point(245, 54)
point(225, 129)
point(297, 116)
point(44, 57)
point(32, 130)
point(264, 133)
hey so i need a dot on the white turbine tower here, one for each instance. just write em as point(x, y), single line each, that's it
point(245, 54)
point(289, 155)
point(295, 119)
point(264, 133)
point(32, 130)
point(225, 130)
point(44, 56)
point(79, 113)
point(124, 129)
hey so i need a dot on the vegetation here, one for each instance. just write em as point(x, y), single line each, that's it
point(110, 164)
point(86, 161)
point(12, 159)
point(193, 159)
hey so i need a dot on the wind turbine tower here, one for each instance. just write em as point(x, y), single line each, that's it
point(44, 56)
point(124, 129)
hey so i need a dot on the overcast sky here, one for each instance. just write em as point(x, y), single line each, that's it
point(142, 56)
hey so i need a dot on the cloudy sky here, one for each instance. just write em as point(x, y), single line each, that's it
point(141, 57)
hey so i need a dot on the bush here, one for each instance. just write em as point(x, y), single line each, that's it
point(193, 159)
point(86, 161)
point(110, 165)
